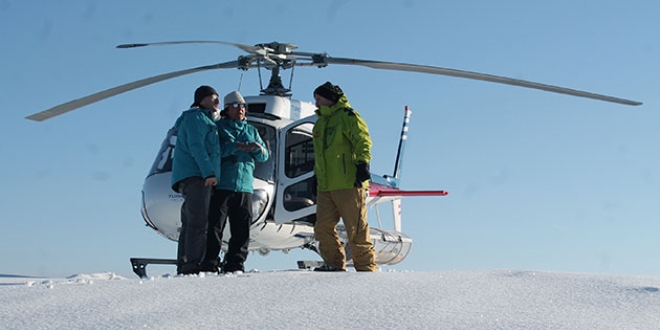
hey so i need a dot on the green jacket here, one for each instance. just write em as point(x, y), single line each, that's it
point(341, 140)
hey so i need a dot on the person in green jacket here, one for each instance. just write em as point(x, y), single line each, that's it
point(342, 150)
point(195, 171)
point(242, 148)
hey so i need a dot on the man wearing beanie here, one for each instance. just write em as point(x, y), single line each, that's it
point(195, 172)
point(342, 150)
point(242, 148)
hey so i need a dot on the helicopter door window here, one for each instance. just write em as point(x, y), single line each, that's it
point(298, 196)
point(299, 151)
point(266, 170)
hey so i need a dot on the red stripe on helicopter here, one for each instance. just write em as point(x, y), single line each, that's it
point(377, 190)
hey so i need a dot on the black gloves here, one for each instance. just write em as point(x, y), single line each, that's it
point(362, 173)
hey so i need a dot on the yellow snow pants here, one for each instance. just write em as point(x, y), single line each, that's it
point(349, 205)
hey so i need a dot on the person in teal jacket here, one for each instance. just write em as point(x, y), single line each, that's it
point(342, 151)
point(195, 171)
point(242, 147)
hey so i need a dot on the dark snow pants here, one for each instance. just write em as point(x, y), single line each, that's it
point(194, 222)
point(237, 207)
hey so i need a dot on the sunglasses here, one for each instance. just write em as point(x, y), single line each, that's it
point(239, 105)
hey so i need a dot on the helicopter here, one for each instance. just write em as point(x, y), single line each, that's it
point(283, 205)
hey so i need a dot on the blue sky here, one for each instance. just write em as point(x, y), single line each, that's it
point(537, 180)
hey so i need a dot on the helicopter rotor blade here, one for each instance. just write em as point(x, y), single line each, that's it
point(475, 75)
point(244, 47)
point(81, 102)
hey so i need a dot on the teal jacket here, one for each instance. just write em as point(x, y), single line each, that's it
point(238, 165)
point(341, 140)
point(197, 149)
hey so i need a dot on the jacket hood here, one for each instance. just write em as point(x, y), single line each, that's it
point(193, 109)
point(325, 110)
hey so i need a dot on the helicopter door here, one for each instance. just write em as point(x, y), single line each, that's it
point(294, 199)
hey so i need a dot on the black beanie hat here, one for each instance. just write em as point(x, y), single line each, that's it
point(201, 92)
point(329, 91)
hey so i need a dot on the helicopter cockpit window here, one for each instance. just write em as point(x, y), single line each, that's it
point(266, 170)
point(299, 151)
point(163, 162)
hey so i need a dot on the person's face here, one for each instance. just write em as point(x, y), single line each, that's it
point(320, 100)
point(211, 102)
point(236, 111)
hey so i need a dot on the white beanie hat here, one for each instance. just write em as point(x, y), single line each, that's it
point(233, 97)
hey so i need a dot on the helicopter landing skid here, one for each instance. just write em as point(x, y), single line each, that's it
point(140, 264)
point(309, 264)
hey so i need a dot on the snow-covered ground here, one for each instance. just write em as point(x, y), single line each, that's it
point(477, 299)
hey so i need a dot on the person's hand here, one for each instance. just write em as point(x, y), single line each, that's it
point(210, 181)
point(247, 147)
point(241, 146)
point(253, 146)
